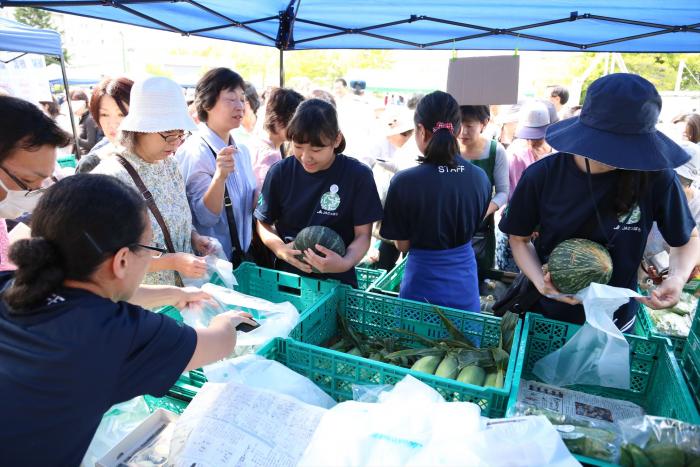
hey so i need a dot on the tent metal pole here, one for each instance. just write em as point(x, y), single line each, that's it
point(70, 108)
point(281, 68)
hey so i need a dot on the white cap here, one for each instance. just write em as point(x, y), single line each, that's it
point(397, 121)
point(157, 104)
point(691, 169)
point(534, 119)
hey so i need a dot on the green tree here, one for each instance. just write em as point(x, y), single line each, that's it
point(39, 19)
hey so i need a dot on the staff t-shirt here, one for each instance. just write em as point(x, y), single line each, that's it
point(554, 194)
point(65, 364)
point(436, 207)
point(340, 197)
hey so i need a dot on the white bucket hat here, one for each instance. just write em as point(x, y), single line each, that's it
point(397, 121)
point(534, 119)
point(691, 169)
point(157, 104)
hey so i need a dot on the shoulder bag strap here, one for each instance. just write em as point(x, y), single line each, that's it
point(150, 202)
point(228, 207)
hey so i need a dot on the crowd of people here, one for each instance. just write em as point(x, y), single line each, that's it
point(161, 183)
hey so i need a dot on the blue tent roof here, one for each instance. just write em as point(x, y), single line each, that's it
point(595, 25)
point(16, 37)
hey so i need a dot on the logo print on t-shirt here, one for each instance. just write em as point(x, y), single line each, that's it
point(261, 199)
point(633, 218)
point(330, 200)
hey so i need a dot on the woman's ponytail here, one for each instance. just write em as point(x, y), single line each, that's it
point(439, 114)
point(39, 272)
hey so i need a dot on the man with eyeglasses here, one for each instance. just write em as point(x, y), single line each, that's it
point(28, 142)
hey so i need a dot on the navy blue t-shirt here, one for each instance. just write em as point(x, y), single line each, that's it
point(63, 366)
point(436, 207)
point(340, 197)
point(554, 194)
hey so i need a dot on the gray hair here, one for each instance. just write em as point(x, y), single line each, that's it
point(127, 139)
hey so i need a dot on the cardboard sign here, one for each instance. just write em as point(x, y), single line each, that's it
point(484, 80)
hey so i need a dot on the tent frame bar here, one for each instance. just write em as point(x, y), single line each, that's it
point(290, 17)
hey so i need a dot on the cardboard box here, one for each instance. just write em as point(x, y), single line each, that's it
point(135, 440)
point(484, 80)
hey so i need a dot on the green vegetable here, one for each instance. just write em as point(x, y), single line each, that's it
point(665, 456)
point(448, 367)
point(427, 364)
point(639, 459)
point(492, 380)
point(318, 234)
point(355, 351)
point(575, 263)
point(472, 375)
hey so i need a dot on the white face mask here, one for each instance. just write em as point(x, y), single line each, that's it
point(16, 203)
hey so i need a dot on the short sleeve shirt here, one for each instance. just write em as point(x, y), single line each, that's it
point(554, 198)
point(340, 197)
point(436, 207)
point(66, 363)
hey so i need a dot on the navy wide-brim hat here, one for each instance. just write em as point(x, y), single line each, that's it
point(617, 126)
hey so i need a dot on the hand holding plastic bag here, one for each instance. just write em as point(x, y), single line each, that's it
point(275, 319)
point(217, 265)
point(598, 354)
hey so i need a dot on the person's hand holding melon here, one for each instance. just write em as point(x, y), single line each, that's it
point(287, 252)
point(322, 249)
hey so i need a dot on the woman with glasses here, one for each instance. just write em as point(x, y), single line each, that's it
point(150, 134)
point(218, 172)
point(70, 344)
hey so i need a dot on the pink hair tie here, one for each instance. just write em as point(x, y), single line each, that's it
point(443, 126)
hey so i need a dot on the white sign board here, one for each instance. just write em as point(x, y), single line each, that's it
point(484, 80)
point(24, 77)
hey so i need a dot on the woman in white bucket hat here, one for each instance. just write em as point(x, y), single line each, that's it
point(157, 124)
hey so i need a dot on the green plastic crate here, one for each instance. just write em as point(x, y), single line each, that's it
point(379, 315)
point(367, 278)
point(657, 383)
point(645, 327)
point(169, 403)
point(306, 294)
point(67, 161)
point(390, 283)
point(690, 368)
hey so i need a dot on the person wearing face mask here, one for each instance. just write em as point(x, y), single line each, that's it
point(28, 143)
point(149, 136)
point(70, 344)
point(218, 172)
point(109, 105)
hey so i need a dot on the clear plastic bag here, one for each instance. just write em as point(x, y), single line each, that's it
point(217, 265)
point(591, 438)
point(659, 441)
point(120, 420)
point(598, 354)
point(369, 392)
point(276, 319)
point(258, 372)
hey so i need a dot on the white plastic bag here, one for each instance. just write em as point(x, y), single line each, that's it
point(392, 432)
point(276, 319)
point(117, 422)
point(217, 263)
point(598, 354)
point(258, 372)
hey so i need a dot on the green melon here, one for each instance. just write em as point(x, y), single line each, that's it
point(310, 236)
point(577, 262)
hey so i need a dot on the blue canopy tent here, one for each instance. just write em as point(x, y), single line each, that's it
point(544, 25)
point(23, 39)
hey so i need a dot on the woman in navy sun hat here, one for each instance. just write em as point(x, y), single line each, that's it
point(610, 180)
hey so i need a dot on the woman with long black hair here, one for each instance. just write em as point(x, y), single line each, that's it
point(610, 181)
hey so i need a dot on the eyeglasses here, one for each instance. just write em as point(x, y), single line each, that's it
point(156, 249)
point(170, 139)
point(30, 192)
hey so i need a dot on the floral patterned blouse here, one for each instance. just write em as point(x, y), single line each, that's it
point(164, 181)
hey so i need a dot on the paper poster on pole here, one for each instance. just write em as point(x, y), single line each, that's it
point(484, 80)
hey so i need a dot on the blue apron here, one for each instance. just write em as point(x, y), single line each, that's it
point(442, 277)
